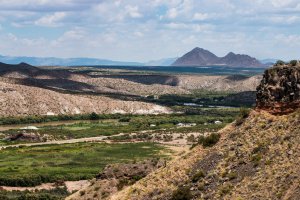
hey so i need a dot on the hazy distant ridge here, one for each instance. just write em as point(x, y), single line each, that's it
point(52, 61)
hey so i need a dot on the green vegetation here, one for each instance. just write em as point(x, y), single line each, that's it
point(206, 99)
point(31, 166)
point(293, 62)
point(198, 176)
point(244, 113)
point(54, 194)
point(210, 140)
point(280, 62)
point(203, 118)
point(41, 119)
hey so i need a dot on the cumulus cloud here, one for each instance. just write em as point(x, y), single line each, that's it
point(142, 30)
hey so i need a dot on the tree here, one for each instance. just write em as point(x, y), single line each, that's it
point(293, 62)
point(280, 62)
point(94, 116)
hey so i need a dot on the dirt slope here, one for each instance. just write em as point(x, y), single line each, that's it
point(257, 160)
point(20, 100)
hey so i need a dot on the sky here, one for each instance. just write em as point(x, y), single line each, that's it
point(142, 30)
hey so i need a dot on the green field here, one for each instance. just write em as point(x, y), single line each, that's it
point(31, 166)
point(204, 118)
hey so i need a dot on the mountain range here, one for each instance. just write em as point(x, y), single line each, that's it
point(53, 61)
point(202, 57)
point(196, 57)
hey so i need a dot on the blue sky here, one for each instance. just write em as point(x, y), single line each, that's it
point(141, 30)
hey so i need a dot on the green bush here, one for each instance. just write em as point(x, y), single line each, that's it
point(182, 193)
point(280, 62)
point(293, 62)
point(244, 113)
point(210, 140)
point(199, 175)
point(94, 116)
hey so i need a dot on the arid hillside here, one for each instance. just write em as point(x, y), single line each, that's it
point(257, 160)
point(256, 157)
point(20, 100)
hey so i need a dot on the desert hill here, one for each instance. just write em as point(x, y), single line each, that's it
point(257, 157)
point(29, 90)
point(202, 57)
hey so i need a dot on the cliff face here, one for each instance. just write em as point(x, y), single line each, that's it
point(279, 90)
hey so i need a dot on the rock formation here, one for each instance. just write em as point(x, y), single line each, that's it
point(279, 91)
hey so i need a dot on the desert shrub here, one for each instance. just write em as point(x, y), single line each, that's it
point(182, 193)
point(210, 140)
point(122, 183)
point(256, 158)
point(244, 113)
point(82, 192)
point(232, 175)
point(280, 62)
point(225, 189)
point(191, 138)
point(197, 176)
point(293, 62)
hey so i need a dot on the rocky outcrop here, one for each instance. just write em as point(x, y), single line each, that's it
point(279, 91)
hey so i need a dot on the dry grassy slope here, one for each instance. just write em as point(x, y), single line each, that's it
point(257, 160)
point(20, 100)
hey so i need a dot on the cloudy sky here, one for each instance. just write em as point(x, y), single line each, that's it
point(141, 30)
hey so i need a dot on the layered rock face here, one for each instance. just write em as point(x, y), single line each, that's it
point(279, 90)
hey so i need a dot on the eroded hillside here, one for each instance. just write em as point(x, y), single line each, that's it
point(20, 100)
point(28, 90)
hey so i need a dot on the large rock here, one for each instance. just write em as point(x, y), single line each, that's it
point(279, 90)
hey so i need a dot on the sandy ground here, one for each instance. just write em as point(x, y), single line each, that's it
point(71, 186)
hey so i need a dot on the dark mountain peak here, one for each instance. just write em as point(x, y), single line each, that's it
point(21, 67)
point(23, 64)
point(231, 54)
point(202, 57)
point(202, 51)
point(196, 57)
point(199, 49)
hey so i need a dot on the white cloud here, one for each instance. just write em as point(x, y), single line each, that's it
point(141, 30)
point(133, 11)
point(200, 16)
point(172, 13)
point(51, 20)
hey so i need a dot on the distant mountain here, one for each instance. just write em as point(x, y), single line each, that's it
point(161, 62)
point(202, 57)
point(52, 61)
